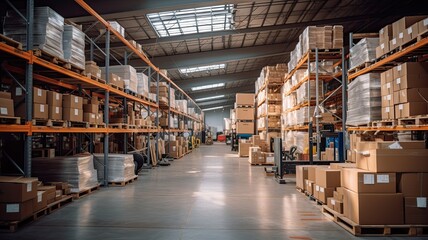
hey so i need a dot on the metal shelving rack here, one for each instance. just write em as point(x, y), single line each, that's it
point(265, 102)
point(85, 86)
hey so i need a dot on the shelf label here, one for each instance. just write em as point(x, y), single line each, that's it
point(12, 208)
point(333, 202)
point(421, 202)
point(399, 68)
point(368, 179)
point(400, 107)
point(39, 92)
point(57, 110)
point(3, 111)
point(76, 112)
point(382, 178)
point(76, 99)
point(425, 22)
point(382, 46)
point(409, 30)
point(387, 109)
point(388, 85)
point(18, 91)
point(398, 81)
point(57, 96)
point(394, 41)
point(400, 35)
point(317, 188)
point(42, 108)
point(321, 189)
point(39, 196)
point(92, 115)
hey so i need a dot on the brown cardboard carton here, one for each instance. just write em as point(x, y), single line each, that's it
point(412, 69)
point(54, 99)
point(268, 157)
point(301, 176)
point(245, 127)
point(6, 95)
point(39, 95)
point(256, 141)
point(58, 195)
point(415, 210)
point(394, 43)
point(409, 34)
point(244, 149)
point(337, 195)
point(411, 95)
point(17, 189)
point(71, 101)
point(72, 114)
point(310, 187)
point(410, 81)
point(342, 165)
point(373, 208)
point(388, 100)
point(324, 193)
point(90, 117)
point(40, 201)
point(40, 111)
point(330, 202)
point(399, 26)
point(90, 108)
point(362, 181)
point(55, 112)
point(244, 113)
point(413, 184)
point(338, 206)
point(385, 34)
point(245, 98)
point(16, 211)
point(255, 156)
point(327, 178)
point(410, 109)
point(387, 88)
point(423, 26)
point(173, 146)
point(49, 191)
point(6, 107)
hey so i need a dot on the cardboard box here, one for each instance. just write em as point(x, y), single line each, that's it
point(388, 113)
point(256, 141)
point(410, 95)
point(40, 201)
point(58, 195)
point(244, 149)
point(268, 157)
point(423, 26)
point(338, 206)
point(6, 107)
point(244, 113)
point(413, 184)
point(409, 34)
point(330, 203)
point(415, 210)
point(50, 193)
point(387, 88)
point(342, 165)
point(55, 113)
point(410, 109)
point(71, 101)
point(327, 178)
point(403, 23)
point(245, 127)
point(388, 100)
point(324, 193)
point(5, 95)
point(312, 171)
point(17, 189)
point(54, 99)
point(373, 208)
point(72, 114)
point(394, 43)
point(414, 69)
point(90, 117)
point(310, 187)
point(39, 95)
point(361, 181)
point(385, 34)
point(90, 108)
point(40, 111)
point(410, 81)
point(255, 156)
point(173, 146)
point(245, 99)
point(301, 176)
point(16, 211)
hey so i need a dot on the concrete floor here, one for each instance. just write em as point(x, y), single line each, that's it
point(208, 194)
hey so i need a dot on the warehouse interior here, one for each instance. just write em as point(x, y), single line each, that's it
point(281, 119)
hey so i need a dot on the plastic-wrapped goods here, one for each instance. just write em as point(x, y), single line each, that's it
point(296, 138)
point(261, 123)
point(364, 51)
point(77, 170)
point(181, 105)
point(303, 115)
point(302, 91)
point(142, 84)
point(117, 27)
point(121, 167)
point(74, 46)
point(172, 98)
point(128, 74)
point(364, 99)
point(191, 111)
point(324, 67)
point(48, 30)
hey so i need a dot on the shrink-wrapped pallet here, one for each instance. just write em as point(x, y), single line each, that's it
point(364, 99)
point(77, 170)
point(74, 46)
point(121, 167)
point(307, 91)
point(128, 74)
point(142, 84)
point(48, 30)
point(364, 51)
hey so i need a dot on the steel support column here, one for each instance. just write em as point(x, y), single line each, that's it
point(106, 107)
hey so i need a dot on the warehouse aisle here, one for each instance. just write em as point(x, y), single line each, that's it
point(209, 194)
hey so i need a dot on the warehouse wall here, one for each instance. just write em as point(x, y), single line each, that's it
point(215, 118)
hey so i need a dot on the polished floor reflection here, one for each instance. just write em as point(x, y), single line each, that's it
point(208, 194)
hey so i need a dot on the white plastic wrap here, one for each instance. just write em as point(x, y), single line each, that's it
point(181, 105)
point(74, 46)
point(302, 91)
point(128, 74)
point(77, 170)
point(48, 30)
point(121, 167)
point(142, 84)
point(364, 99)
point(117, 27)
point(364, 51)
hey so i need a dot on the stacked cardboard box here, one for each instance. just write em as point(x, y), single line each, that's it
point(54, 101)
point(244, 148)
point(19, 198)
point(255, 156)
point(326, 182)
point(40, 108)
point(113, 79)
point(72, 108)
point(6, 105)
point(90, 111)
point(244, 109)
point(92, 69)
point(128, 74)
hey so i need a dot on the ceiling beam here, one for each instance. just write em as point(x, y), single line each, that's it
point(224, 78)
point(225, 91)
point(215, 57)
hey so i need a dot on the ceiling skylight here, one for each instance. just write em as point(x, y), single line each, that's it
point(192, 20)
point(208, 98)
point(204, 87)
point(202, 68)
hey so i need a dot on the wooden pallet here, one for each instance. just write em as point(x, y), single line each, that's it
point(10, 120)
point(49, 123)
point(330, 213)
point(77, 124)
point(10, 42)
point(117, 87)
point(123, 183)
point(85, 192)
point(384, 123)
point(419, 120)
point(119, 125)
point(51, 58)
point(381, 230)
point(245, 106)
point(262, 164)
point(12, 226)
point(97, 125)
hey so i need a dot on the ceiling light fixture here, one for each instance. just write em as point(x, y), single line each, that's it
point(208, 98)
point(204, 87)
point(202, 68)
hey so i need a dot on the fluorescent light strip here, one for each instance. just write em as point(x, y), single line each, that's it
point(208, 98)
point(213, 108)
point(217, 85)
point(202, 68)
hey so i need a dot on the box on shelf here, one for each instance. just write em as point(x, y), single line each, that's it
point(40, 111)
point(413, 184)
point(90, 117)
point(39, 95)
point(244, 149)
point(245, 127)
point(415, 210)
point(92, 69)
point(362, 181)
point(6, 107)
point(55, 113)
point(72, 114)
point(72, 101)
point(410, 95)
point(54, 99)
point(244, 113)
point(422, 26)
point(410, 109)
point(245, 99)
point(90, 108)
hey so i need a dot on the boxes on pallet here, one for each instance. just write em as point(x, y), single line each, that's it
point(6, 105)
point(128, 74)
point(92, 69)
point(364, 51)
point(413, 184)
point(415, 210)
point(73, 40)
point(245, 127)
point(244, 148)
point(244, 113)
point(255, 156)
point(112, 79)
point(121, 167)
point(301, 176)
point(55, 113)
point(50, 192)
point(422, 26)
point(362, 181)
point(399, 28)
point(245, 99)
point(40, 201)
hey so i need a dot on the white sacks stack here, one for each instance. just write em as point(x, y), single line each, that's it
point(48, 29)
point(121, 167)
point(74, 46)
point(77, 170)
point(364, 51)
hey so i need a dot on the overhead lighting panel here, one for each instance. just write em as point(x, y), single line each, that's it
point(208, 98)
point(202, 68)
point(204, 87)
point(213, 108)
point(192, 20)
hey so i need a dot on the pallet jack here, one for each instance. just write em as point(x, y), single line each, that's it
point(278, 168)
